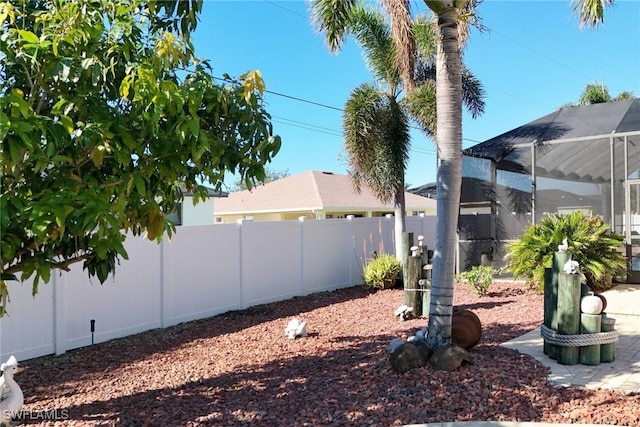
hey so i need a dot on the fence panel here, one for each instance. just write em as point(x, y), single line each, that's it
point(328, 255)
point(423, 226)
point(200, 273)
point(27, 331)
point(271, 261)
point(126, 303)
point(203, 271)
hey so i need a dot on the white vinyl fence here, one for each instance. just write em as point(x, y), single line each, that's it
point(203, 271)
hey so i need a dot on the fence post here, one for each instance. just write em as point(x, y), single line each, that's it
point(301, 220)
point(164, 298)
point(59, 315)
point(240, 223)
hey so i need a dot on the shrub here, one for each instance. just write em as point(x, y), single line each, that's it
point(381, 272)
point(479, 277)
point(591, 244)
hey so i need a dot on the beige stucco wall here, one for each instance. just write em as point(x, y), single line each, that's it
point(290, 216)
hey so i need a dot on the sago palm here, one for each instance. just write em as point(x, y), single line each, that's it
point(590, 241)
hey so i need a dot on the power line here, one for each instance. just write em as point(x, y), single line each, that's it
point(305, 100)
point(288, 10)
point(543, 55)
point(310, 126)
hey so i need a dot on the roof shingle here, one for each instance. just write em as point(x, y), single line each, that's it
point(311, 190)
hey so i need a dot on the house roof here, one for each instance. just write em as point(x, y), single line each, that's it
point(589, 125)
point(308, 191)
point(210, 192)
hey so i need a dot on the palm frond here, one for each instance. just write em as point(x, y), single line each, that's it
point(402, 34)
point(591, 12)
point(472, 93)
point(373, 34)
point(376, 141)
point(331, 17)
point(425, 36)
point(421, 105)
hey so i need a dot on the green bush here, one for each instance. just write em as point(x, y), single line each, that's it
point(381, 272)
point(479, 277)
point(591, 244)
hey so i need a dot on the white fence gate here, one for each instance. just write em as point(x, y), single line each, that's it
point(203, 271)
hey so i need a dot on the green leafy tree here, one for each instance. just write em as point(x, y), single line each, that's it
point(591, 243)
point(106, 115)
point(595, 93)
point(269, 176)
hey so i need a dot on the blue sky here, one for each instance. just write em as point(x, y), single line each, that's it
point(534, 59)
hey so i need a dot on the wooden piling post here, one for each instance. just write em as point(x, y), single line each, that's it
point(414, 270)
point(548, 312)
point(557, 267)
point(551, 299)
point(607, 351)
point(590, 324)
point(568, 315)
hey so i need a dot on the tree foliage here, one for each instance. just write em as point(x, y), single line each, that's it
point(596, 93)
point(106, 114)
point(269, 176)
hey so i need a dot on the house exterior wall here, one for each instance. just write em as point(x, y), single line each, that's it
point(316, 214)
point(165, 284)
point(200, 214)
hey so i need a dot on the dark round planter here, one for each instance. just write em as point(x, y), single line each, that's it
point(466, 329)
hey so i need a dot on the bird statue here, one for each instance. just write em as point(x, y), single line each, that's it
point(564, 246)
point(571, 267)
point(404, 312)
point(15, 399)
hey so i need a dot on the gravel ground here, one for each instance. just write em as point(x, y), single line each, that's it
point(239, 369)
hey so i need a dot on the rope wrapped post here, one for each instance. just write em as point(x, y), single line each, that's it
point(589, 324)
point(579, 340)
point(607, 351)
point(568, 315)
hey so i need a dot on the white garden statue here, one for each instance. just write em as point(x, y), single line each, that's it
point(296, 328)
point(572, 267)
point(10, 392)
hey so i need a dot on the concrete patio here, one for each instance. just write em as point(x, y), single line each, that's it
point(623, 304)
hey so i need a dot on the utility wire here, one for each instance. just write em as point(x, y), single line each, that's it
point(542, 55)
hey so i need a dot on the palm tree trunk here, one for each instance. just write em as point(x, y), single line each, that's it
point(449, 176)
point(400, 225)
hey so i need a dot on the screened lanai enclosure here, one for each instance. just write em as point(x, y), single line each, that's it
point(583, 158)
